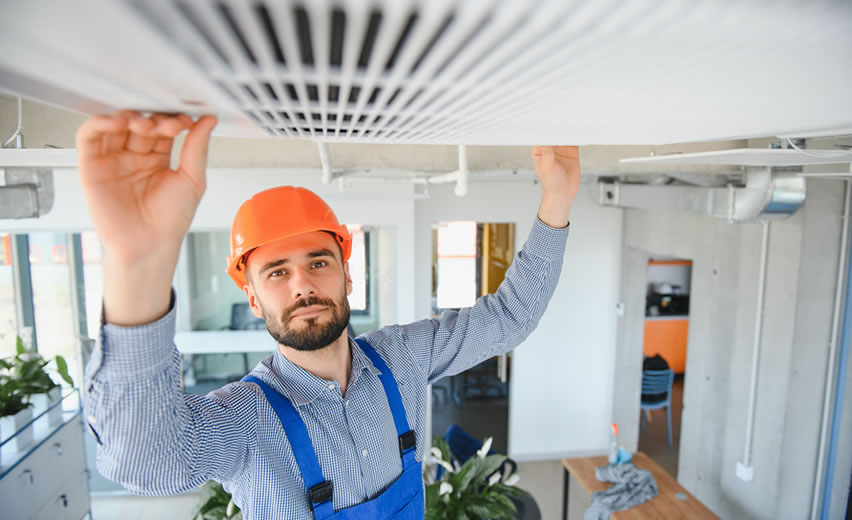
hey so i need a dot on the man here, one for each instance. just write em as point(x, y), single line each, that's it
point(326, 427)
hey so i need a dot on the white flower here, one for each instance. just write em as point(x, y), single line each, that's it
point(445, 489)
point(436, 453)
point(495, 478)
point(483, 451)
point(230, 509)
point(511, 481)
point(446, 466)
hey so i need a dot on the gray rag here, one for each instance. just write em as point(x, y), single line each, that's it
point(631, 486)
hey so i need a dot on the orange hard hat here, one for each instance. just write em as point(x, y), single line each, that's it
point(276, 214)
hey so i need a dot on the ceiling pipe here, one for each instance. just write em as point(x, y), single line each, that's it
point(766, 194)
point(463, 174)
point(325, 162)
point(745, 469)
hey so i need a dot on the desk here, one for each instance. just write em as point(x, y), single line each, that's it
point(664, 505)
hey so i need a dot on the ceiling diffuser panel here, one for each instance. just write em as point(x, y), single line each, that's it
point(476, 72)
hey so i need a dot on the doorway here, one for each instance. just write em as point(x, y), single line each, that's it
point(469, 260)
point(664, 347)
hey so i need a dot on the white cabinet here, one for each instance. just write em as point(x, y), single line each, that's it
point(50, 480)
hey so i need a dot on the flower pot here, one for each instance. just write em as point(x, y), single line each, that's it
point(13, 426)
point(54, 401)
point(49, 401)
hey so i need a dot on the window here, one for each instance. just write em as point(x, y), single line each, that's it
point(358, 262)
point(93, 280)
point(455, 272)
point(56, 333)
point(8, 320)
point(469, 260)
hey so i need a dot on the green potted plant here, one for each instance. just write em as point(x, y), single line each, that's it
point(15, 411)
point(214, 503)
point(23, 381)
point(474, 490)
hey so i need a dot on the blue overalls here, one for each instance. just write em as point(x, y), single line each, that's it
point(403, 500)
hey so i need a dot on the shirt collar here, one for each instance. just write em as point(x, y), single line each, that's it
point(302, 387)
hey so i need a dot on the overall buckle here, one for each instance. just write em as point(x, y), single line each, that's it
point(320, 493)
point(407, 441)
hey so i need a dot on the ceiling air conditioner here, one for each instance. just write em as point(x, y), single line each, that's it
point(451, 72)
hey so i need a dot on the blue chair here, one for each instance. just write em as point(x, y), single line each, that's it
point(464, 446)
point(658, 383)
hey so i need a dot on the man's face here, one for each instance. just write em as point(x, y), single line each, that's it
point(299, 287)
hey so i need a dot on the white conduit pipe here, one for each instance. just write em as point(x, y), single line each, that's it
point(325, 161)
point(758, 332)
point(461, 184)
point(16, 135)
point(832, 355)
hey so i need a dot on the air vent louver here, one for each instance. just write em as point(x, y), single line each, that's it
point(478, 72)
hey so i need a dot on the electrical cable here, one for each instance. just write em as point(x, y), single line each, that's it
point(17, 131)
point(826, 154)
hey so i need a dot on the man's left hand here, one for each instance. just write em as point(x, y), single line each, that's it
point(558, 171)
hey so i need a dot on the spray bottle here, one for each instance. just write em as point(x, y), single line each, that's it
point(613, 444)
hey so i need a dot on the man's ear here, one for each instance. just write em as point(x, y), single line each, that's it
point(348, 278)
point(253, 301)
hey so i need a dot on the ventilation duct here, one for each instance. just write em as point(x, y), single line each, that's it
point(766, 194)
point(442, 71)
point(25, 192)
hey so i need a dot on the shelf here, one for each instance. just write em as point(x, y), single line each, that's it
point(42, 430)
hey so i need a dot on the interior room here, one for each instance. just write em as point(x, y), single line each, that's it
point(701, 322)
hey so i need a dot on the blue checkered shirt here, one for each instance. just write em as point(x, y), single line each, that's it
point(156, 440)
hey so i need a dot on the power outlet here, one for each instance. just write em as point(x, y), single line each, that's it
point(745, 473)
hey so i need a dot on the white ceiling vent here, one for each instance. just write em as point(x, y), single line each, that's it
point(476, 72)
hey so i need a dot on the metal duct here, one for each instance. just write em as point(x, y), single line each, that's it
point(766, 194)
point(25, 192)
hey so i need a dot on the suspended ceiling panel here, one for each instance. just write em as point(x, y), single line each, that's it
point(474, 72)
point(749, 157)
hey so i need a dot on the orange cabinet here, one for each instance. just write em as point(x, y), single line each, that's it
point(667, 337)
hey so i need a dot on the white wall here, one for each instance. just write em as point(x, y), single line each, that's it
point(560, 397)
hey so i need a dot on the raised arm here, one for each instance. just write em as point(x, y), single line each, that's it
point(499, 322)
point(151, 437)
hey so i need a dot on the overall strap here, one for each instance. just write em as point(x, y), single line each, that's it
point(319, 489)
point(407, 437)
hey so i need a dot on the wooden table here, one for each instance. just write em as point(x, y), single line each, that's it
point(665, 505)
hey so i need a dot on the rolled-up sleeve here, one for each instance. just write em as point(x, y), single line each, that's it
point(496, 323)
point(152, 438)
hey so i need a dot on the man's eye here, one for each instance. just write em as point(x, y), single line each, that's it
point(319, 263)
point(276, 273)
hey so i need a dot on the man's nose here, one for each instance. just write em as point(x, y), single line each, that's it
point(301, 284)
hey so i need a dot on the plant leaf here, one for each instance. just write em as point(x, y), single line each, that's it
point(62, 368)
point(487, 466)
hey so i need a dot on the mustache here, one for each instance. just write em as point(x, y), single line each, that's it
point(307, 302)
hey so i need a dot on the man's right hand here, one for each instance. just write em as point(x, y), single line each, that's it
point(140, 207)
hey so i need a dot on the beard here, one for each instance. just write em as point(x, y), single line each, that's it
point(313, 335)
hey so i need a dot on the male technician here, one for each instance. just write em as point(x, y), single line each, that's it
point(327, 426)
